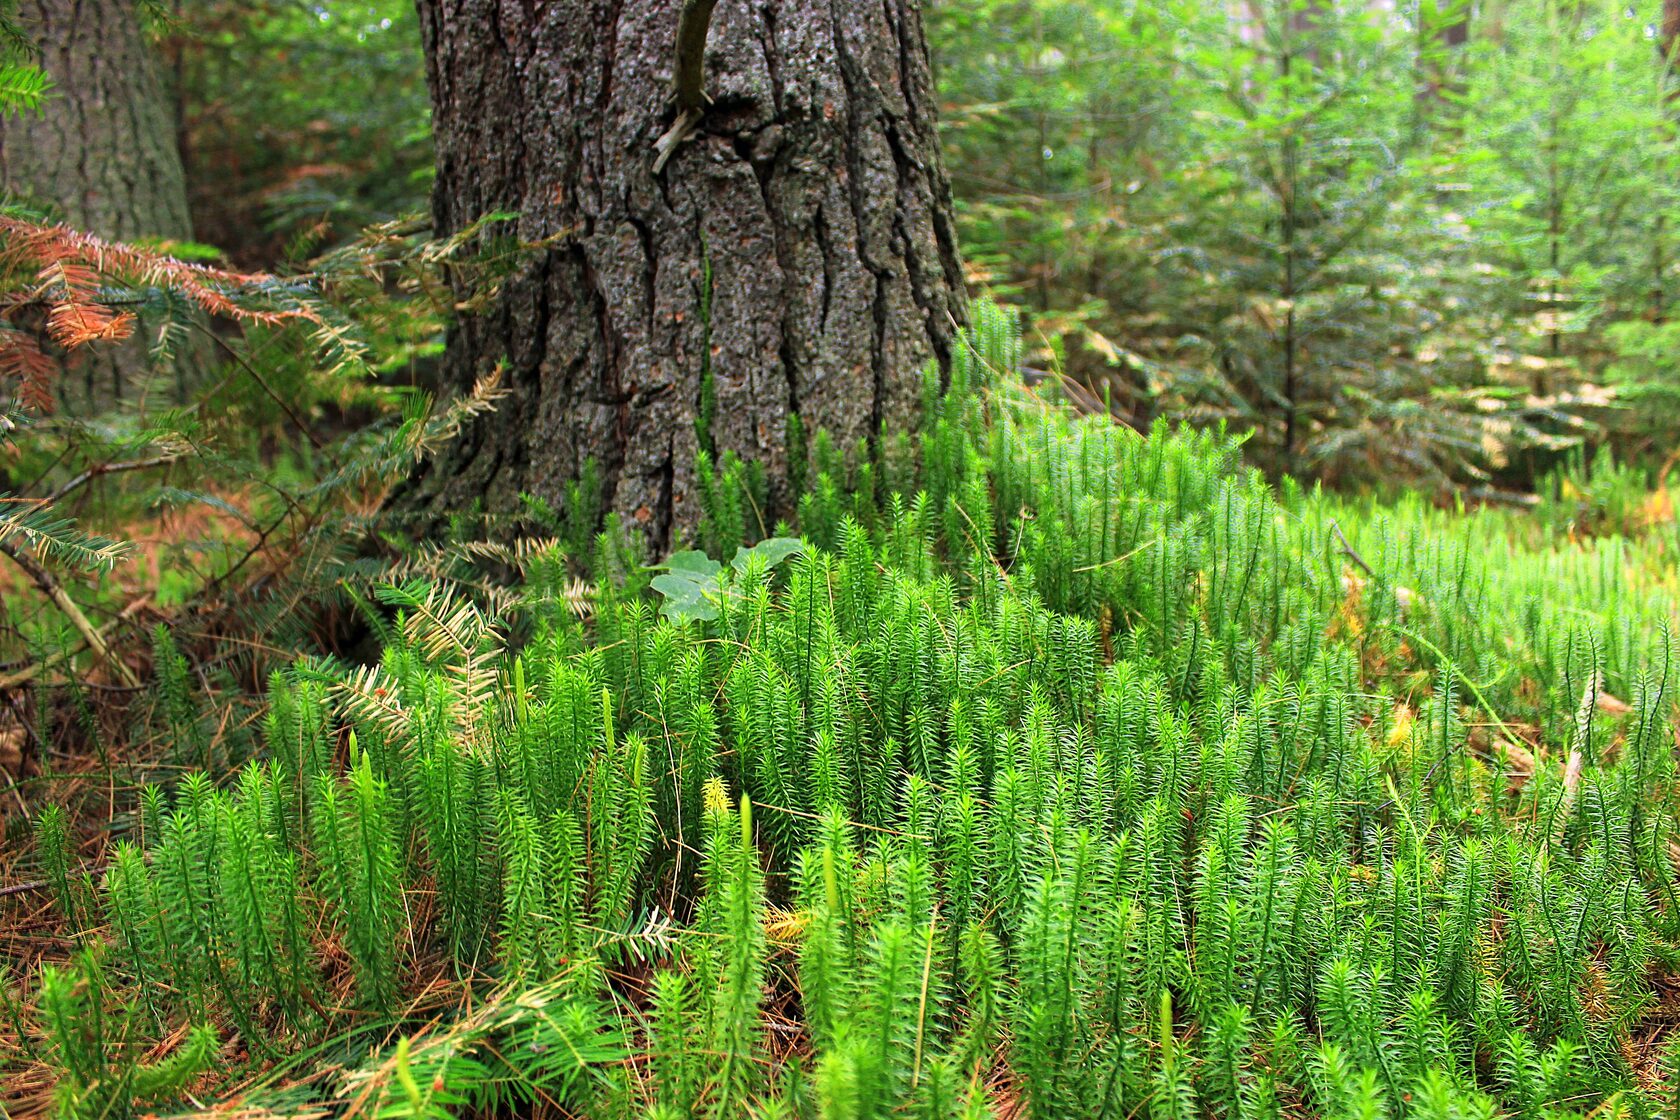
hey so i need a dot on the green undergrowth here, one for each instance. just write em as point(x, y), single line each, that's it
point(1082, 772)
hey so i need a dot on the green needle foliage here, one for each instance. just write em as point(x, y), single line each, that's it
point(1091, 773)
point(1427, 242)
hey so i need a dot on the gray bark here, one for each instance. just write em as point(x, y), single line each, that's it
point(101, 153)
point(811, 195)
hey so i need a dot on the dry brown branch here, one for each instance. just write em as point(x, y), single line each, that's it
point(30, 672)
point(51, 588)
point(100, 469)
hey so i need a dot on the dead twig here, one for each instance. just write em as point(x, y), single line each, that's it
point(1349, 551)
point(30, 672)
point(51, 588)
point(689, 81)
point(692, 27)
point(262, 384)
point(29, 732)
point(100, 469)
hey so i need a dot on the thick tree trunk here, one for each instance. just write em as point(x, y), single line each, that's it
point(102, 150)
point(795, 256)
point(101, 153)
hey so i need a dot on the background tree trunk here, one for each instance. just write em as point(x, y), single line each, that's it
point(1443, 30)
point(795, 256)
point(101, 153)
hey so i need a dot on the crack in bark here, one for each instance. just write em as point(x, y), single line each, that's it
point(819, 228)
point(772, 57)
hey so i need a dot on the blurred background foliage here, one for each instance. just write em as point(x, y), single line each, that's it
point(1418, 243)
point(300, 123)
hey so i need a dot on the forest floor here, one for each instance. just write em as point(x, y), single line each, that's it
point(1098, 752)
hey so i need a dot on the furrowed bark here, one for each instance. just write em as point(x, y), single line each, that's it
point(796, 251)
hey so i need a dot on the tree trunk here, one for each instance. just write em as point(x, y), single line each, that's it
point(795, 256)
point(101, 153)
point(1668, 38)
point(1443, 32)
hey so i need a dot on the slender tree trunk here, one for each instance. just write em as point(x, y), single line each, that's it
point(1290, 217)
point(1667, 38)
point(101, 153)
point(1443, 32)
point(1302, 20)
point(1554, 208)
point(795, 256)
